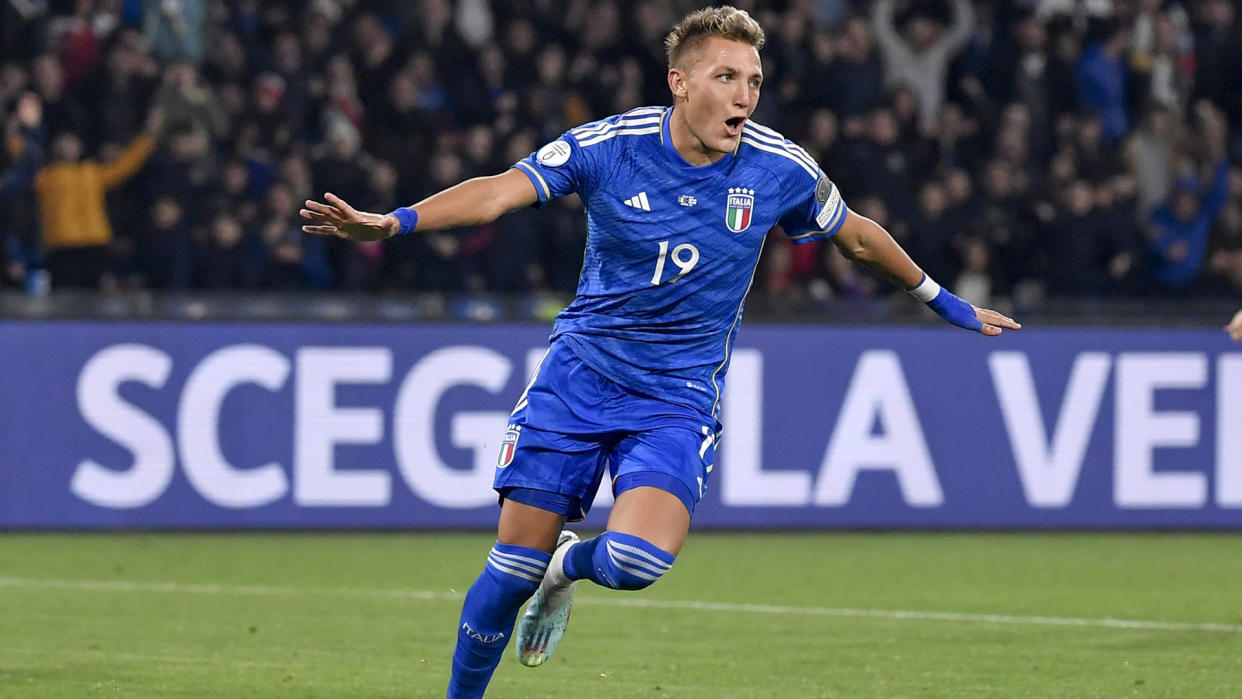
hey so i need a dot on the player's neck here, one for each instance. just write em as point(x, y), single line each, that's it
point(687, 145)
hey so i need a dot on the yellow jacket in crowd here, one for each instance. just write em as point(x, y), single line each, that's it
point(71, 196)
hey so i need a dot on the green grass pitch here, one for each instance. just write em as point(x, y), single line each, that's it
point(740, 615)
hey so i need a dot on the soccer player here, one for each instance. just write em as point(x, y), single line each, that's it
point(679, 200)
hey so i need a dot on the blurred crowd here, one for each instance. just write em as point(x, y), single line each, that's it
point(1019, 149)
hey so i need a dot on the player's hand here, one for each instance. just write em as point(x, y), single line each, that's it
point(995, 323)
point(957, 311)
point(338, 218)
point(1235, 326)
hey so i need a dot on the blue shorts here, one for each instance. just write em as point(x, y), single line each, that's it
point(572, 423)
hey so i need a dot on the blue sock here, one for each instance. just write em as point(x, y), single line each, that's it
point(616, 560)
point(511, 576)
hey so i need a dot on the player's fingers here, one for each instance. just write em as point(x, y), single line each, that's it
point(321, 230)
point(323, 208)
point(988, 315)
point(313, 215)
point(990, 330)
point(340, 204)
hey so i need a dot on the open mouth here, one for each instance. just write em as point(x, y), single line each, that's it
point(734, 125)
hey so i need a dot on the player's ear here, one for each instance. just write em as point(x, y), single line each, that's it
point(677, 83)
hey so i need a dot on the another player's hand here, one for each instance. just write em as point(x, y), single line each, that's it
point(1235, 326)
point(995, 323)
point(338, 218)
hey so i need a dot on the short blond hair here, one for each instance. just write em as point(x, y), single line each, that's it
point(694, 29)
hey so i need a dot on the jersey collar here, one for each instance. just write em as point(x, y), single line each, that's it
point(666, 141)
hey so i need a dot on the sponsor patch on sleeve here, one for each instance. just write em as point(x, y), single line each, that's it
point(827, 194)
point(554, 154)
point(822, 188)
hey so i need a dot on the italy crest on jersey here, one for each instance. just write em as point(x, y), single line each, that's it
point(508, 445)
point(739, 207)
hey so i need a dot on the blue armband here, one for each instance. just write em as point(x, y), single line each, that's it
point(408, 218)
point(946, 304)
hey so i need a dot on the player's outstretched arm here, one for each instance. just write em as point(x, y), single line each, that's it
point(863, 240)
point(472, 203)
point(1235, 326)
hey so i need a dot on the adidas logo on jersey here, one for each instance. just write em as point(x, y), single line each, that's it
point(639, 201)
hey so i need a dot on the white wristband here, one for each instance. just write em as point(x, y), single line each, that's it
point(927, 289)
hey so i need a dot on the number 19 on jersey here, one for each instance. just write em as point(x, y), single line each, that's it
point(685, 256)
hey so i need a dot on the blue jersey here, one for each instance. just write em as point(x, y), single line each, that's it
point(672, 248)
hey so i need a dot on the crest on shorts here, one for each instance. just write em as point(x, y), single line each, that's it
point(508, 445)
point(739, 208)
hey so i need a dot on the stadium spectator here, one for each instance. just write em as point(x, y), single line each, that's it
point(118, 90)
point(975, 283)
point(288, 260)
point(877, 163)
point(233, 191)
point(226, 259)
point(1178, 230)
point(189, 103)
point(175, 28)
point(76, 36)
point(962, 203)
point(1003, 225)
point(161, 254)
point(854, 82)
point(1101, 77)
point(376, 60)
point(1037, 78)
point(184, 170)
point(1013, 148)
point(62, 111)
point(1069, 253)
point(20, 140)
point(71, 190)
point(1161, 57)
point(1151, 157)
point(919, 60)
point(957, 140)
point(1116, 201)
point(1217, 55)
point(933, 233)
